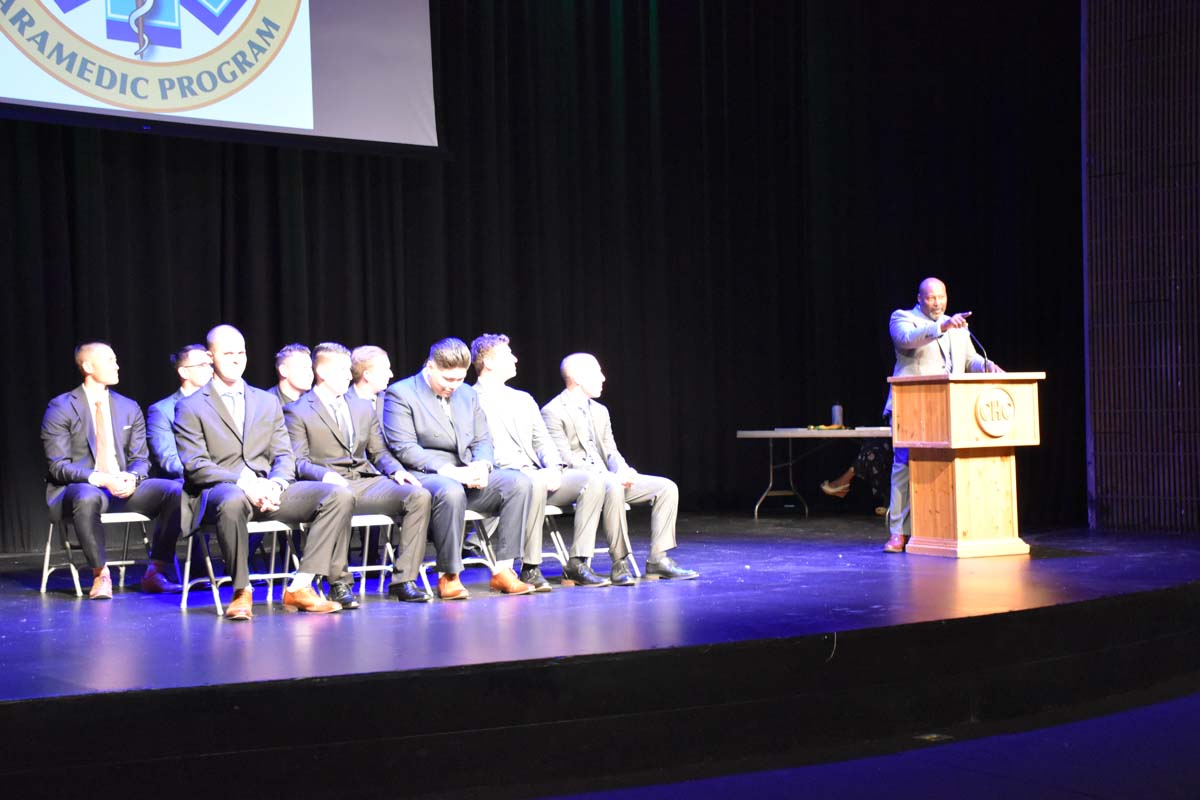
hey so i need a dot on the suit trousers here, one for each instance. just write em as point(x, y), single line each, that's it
point(327, 509)
point(899, 517)
point(83, 504)
point(583, 489)
point(506, 496)
point(663, 496)
point(382, 495)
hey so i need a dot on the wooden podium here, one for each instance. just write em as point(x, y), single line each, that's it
point(961, 431)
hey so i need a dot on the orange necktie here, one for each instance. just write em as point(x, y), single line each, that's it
point(105, 459)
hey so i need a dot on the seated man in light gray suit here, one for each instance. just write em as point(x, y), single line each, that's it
point(435, 426)
point(336, 438)
point(582, 430)
point(927, 342)
point(194, 367)
point(520, 441)
point(238, 466)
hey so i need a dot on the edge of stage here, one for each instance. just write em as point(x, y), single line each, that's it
point(800, 636)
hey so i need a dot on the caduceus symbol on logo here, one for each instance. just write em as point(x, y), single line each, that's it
point(137, 23)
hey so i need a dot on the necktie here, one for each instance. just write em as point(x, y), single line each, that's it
point(105, 458)
point(233, 401)
point(343, 419)
point(590, 445)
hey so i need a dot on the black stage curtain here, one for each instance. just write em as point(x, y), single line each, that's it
point(723, 200)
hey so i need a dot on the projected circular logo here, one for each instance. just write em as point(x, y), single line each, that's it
point(995, 412)
point(156, 56)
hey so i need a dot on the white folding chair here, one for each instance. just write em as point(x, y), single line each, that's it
point(471, 520)
point(265, 526)
point(560, 546)
point(125, 518)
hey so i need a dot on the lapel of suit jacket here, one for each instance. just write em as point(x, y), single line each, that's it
point(328, 419)
point(213, 395)
point(79, 405)
point(510, 411)
point(117, 416)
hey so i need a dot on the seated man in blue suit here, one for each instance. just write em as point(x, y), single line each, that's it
point(435, 426)
point(95, 444)
point(193, 365)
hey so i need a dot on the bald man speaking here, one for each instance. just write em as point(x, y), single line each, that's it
point(928, 341)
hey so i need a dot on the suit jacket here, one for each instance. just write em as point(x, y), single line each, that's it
point(568, 426)
point(160, 419)
point(213, 451)
point(69, 439)
point(419, 434)
point(516, 426)
point(921, 349)
point(280, 396)
point(319, 446)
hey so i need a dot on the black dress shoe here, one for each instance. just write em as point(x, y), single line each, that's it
point(619, 576)
point(407, 592)
point(532, 574)
point(665, 567)
point(577, 570)
point(343, 595)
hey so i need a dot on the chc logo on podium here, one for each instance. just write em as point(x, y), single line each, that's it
point(156, 56)
point(995, 412)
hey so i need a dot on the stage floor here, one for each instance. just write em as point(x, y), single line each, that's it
point(779, 577)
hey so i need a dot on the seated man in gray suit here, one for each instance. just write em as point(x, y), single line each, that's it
point(435, 426)
point(582, 430)
point(194, 367)
point(95, 444)
point(520, 441)
point(927, 342)
point(336, 438)
point(238, 466)
point(293, 367)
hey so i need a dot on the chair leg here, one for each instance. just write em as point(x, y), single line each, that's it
point(66, 534)
point(637, 573)
point(124, 558)
point(212, 576)
point(187, 570)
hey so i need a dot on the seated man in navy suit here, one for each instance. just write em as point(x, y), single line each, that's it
point(238, 466)
point(435, 426)
point(336, 438)
point(293, 368)
point(95, 444)
point(194, 367)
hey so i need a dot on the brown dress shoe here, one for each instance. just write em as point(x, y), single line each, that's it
point(506, 581)
point(895, 544)
point(451, 588)
point(101, 586)
point(307, 600)
point(240, 608)
point(155, 581)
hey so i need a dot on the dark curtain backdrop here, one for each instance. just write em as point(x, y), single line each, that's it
point(723, 200)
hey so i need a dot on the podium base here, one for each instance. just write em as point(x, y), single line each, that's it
point(963, 548)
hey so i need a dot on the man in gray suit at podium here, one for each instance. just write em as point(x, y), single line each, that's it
point(927, 342)
point(582, 430)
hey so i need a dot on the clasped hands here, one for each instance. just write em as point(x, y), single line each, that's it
point(263, 493)
point(474, 475)
point(119, 484)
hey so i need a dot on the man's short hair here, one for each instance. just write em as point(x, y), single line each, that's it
point(328, 349)
point(362, 357)
point(569, 362)
point(450, 353)
point(83, 351)
point(482, 347)
point(180, 356)
point(289, 350)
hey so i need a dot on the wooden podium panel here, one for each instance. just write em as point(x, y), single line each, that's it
point(964, 503)
point(961, 431)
